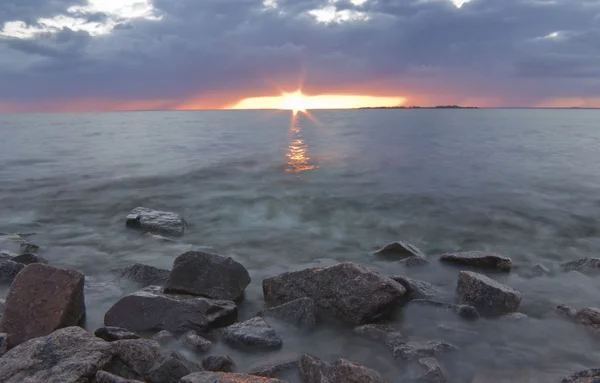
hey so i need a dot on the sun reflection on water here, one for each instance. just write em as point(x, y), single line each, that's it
point(297, 157)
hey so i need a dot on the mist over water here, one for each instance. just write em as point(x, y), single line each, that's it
point(281, 195)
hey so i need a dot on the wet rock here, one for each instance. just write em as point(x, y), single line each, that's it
point(105, 377)
point(415, 289)
point(487, 295)
point(28, 247)
point(171, 369)
point(587, 376)
point(111, 334)
point(164, 337)
point(40, 300)
point(417, 350)
point(347, 291)
point(314, 370)
point(432, 371)
point(589, 266)
point(464, 311)
point(516, 316)
point(569, 311)
point(458, 334)
point(377, 332)
point(223, 377)
point(133, 359)
point(3, 344)
point(194, 341)
point(5, 254)
point(279, 370)
point(155, 221)
point(158, 238)
point(9, 270)
point(218, 363)
point(589, 317)
point(151, 310)
point(29, 258)
point(68, 355)
point(299, 312)
point(400, 250)
point(412, 262)
point(254, 333)
point(479, 259)
point(539, 270)
point(208, 275)
point(2, 303)
point(145, 275)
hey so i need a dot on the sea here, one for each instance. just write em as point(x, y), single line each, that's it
point(279, 192)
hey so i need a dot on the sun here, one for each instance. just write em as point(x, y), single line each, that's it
point(296, 102)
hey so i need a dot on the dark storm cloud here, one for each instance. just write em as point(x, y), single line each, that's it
point(486, 47)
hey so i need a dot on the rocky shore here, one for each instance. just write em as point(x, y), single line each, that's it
point(195, 304)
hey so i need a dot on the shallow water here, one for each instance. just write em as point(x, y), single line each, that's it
point(281, 195)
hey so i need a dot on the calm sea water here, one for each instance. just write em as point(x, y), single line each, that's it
point(282, 195)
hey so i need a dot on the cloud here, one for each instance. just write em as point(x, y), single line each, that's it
point(181, 52)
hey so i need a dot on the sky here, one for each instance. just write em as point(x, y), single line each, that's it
point(95, 55)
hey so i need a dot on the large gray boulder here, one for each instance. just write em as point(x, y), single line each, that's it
point(314, 370)
point(9, 269)
point(151, 310)
point(479, 259)
point(208, 275)
point(488, 296)
point(224, 377)
point(347, 291)
point(589, 266)
point(254, 333)
point(69, 355)
point(144, 275)
point(586, 376)
point(400, 250)
point(417, 350)
point(40, 300)
point(155, 221)
point(415, 289)
point(299, 312)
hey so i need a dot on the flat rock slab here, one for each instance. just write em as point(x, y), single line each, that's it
point(432, 371)
point(587, 376)
point(464, 311)
point(144, 275)
point(487, 295)
point(208, 275)
point(151, 310)
point(105, 377)
point(347, 291)
point(40, 300)
point(589, 266)
point(112, 334)
point(218, 363)
point(69, 355)
point(417, 350)
point(300, 312)
point(155, 221)
point(400, 250)
point(415, 289)
point(314, 370)
point(479, 259)
point(223, 377)
point(9, 269)
point(254, 333)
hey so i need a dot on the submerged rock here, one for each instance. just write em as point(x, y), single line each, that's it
point(299, 312)
point(412, 262)
point(69, 355)
point(400, 250)
point(194, 341)
point(5, 254)
point(432, 371)
point(479, 259)
point(218, 363)
point(29, 258)
point(151, 310)
point(223, 377)
point(314, 370)
point(254, 333)
point(158, 238)
point(416, 350)
point(111, 334)
point(164, 337)
point(415, 289)
point(208, 275)
point(377, 332)
point(589, 317)
point(105, 377)
point(145, 275)
point(41, 300)
point(587, 376)
point(487, 295)
point(589, 266)
point(465, 311)
point(28, 247)
point(9, 270)
point(155, 221)
point(347, 291)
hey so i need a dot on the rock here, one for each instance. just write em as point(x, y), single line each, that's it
point(133, 359)
point(377, 332)
point(151, 310)
point(589, 266)
point(417, 350)
point(432, 371)
point(254, 333)
point(539, 270)
point(208, 275)
point(347, 291)
point(314, 370)
point(465, 311)
point(411, 262)
point(223, 377)
point(2, 303)
point(172, 369)
point(516, 316)
point(569, 311)
point(400, 250)
point(299, 312)
point(145, 275)
point(29, 258)
point(9, 270)
point(111, 334)
point(164, 337)
point(68, 355)
point(587, 376)
point(487, 295)
point(218, 363)
point(158, 238)
point(195, 341)
point(105, 377)
point(5, 254)
point(41, 300)
point(28, 247)
point(479, 259)
point(277, 370)
point(3, 344)
point(154, 221)
point(415, 289)
point(589, 317)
